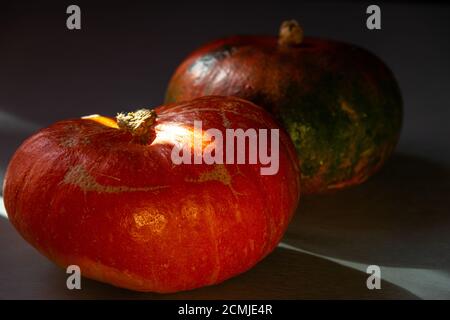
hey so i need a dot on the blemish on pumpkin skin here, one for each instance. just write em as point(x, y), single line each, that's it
point(70, 141)
point(226, 123)
point(108, 176)
point(71, 128)
point(78, 176)
point(71, 137)
point(67, 142)
point(151, 220)
point(218, 173)
point(189, 210)
point(348, 110)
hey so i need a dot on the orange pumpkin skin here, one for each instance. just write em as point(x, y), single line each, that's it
point(84, 192)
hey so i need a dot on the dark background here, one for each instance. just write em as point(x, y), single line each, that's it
point(122, 59)
point(125, 53)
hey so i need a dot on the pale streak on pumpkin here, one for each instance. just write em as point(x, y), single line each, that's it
point(210, 218)
point(345, 106)
point(68, 142)
point(150, 219)
point(78, 176)
point(219, 173)
point(226, 123)
point(365, 156)
point(69, 138)
point(190, 211)
point(362, 176)
point(72, 141)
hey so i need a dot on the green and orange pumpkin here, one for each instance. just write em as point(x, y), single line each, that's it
point(340, 104)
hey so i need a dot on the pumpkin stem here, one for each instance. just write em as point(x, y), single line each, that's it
point(291, 34)
point(138, 123)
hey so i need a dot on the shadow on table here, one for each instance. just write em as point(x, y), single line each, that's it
point(282, 275)
point(399, 218)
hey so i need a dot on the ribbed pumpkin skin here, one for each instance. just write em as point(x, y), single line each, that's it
point(84, 192)
point(340, 104)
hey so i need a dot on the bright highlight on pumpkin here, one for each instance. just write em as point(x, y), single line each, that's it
point(236, 146)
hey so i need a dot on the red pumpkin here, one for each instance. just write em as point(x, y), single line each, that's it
point(106, 196)
point(339, 103)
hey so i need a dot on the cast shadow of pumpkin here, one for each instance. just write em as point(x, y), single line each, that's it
point(284, 274)
point(399, 218)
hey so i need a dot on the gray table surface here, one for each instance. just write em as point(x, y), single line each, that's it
point(399, 219)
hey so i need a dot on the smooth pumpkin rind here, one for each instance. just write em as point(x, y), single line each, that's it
point(84, 192)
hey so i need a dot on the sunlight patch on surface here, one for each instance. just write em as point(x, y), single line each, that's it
point(12, 123)
point(423, 283)
point(2, 209)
